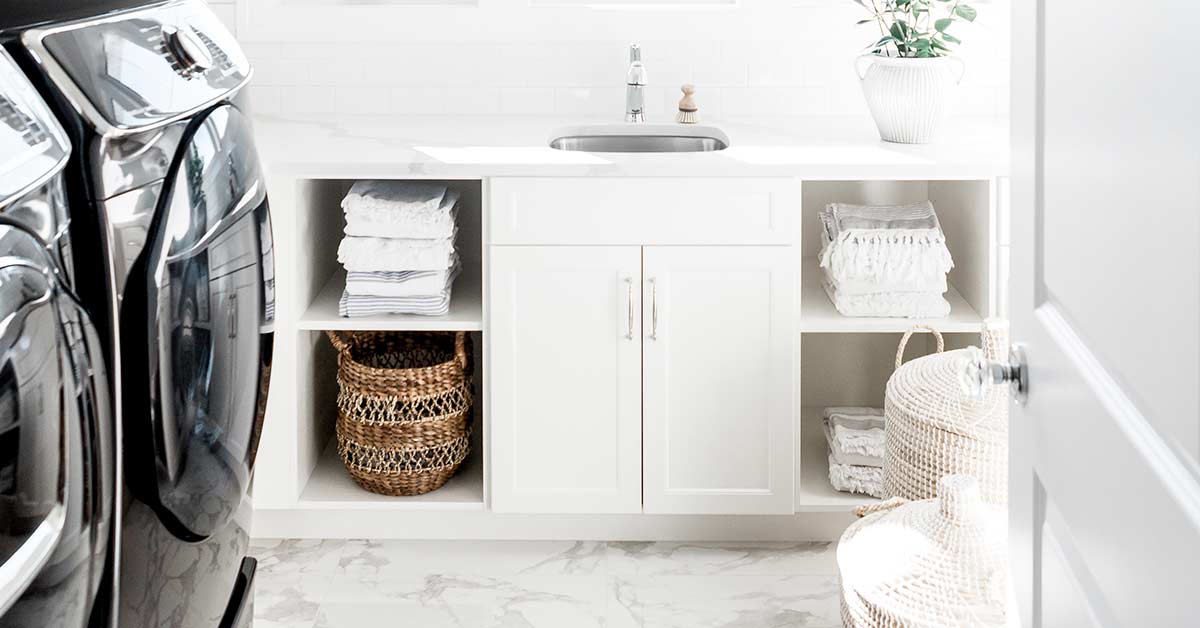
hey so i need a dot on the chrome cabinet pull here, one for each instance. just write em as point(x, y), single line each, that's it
point(653, 308)
point(629, 289)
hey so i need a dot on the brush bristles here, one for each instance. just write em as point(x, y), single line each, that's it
point(687, 117)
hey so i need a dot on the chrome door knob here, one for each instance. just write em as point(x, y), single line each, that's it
point(188, 51)
point(980, 373)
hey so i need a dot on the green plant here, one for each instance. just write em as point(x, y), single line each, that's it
point(916, 28)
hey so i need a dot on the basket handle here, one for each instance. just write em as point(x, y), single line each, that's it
point(941, 342)
point(870, 509)
point(341, 340)
point(460, 349)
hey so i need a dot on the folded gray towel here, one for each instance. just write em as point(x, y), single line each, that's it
point(855, 435)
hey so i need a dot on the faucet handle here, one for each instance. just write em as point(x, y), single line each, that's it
point(635, 53)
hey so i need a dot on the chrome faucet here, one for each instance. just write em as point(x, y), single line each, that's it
point(635, 86)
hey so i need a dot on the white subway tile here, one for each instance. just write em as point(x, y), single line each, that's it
point(590, 101)
point(721, 64)
point(308, 100)
point(362, 100)
point(418, 100)
point(527, 100)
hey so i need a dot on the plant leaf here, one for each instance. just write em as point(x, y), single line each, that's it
point(965, 12)
point(941, 25)
point(951, 38)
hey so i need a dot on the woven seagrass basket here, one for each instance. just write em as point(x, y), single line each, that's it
point(404, 408)
point(936, 563)
point(934, 428)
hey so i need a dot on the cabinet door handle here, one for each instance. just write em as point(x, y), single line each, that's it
point(629, 290)
point(653, 308)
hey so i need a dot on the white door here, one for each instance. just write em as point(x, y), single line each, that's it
point(1106, 298)
point(565, 379)
point(719, 393)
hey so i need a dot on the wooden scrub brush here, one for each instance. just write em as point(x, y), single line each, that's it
point(688, 112)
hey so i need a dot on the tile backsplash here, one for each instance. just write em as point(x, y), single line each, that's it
point(811, 73)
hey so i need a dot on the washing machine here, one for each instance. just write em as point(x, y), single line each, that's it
point(56, 432)
point(173, 257)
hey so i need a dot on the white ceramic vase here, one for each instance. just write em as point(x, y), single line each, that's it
point(909, 97)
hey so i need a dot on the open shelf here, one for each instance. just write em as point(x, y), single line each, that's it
point(815, 494)
point(466, 310)
point(818, 315)
point(330, 486)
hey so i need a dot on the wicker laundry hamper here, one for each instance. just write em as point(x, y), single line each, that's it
point(404, 408)
point(935, 428)
point(937, 563)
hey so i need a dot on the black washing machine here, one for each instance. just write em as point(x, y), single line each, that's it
point(56, 429)
point(173, 256)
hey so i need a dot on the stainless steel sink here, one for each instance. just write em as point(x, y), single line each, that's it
point(640, 138)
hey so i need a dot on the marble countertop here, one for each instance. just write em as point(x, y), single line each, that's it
point(473, 147)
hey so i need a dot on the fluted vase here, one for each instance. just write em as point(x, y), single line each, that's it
point(909, 97)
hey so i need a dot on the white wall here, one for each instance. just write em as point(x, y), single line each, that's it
point(802, 64)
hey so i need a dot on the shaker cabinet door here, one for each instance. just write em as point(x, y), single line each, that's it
point(720, 388)
point(565, 379)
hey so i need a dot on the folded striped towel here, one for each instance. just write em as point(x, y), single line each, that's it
point(406, 283)
point(888, 245)
point(355, 305)
point(855, 435)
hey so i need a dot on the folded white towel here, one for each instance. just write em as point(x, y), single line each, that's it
point(934, 281)
point(855, 435)
point(379, 221)
point(889, 304)
point(393, 196)
point(358, 254)
point(849, 478)
point(354, 305)
point(888, 245)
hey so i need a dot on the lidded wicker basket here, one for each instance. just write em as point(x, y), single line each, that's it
point(404, 408)
point(934, 428)
point(930, 564)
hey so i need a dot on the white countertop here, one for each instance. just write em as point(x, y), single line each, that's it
point(438, 147)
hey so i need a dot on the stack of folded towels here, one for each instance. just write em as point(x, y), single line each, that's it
point(856, 440)
point(885, 261)
point(399, 250)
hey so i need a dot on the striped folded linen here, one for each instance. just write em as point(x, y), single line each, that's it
point(855, 435)
point(405, 283)
point(379, 221)
point(356, 305)
point(359, 254)
point(889, 245)
point(888, 304)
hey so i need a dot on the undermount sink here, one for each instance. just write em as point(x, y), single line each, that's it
point(640, 138)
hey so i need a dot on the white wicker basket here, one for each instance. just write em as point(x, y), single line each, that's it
point(930, 564)
point(934, 428)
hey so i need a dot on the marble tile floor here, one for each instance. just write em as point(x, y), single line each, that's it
point(517, 584)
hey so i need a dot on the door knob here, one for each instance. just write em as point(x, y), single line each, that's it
point(980, 373)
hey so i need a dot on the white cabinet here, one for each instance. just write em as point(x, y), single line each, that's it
point(720, 379)
point(566, 378)
point(626, 379)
